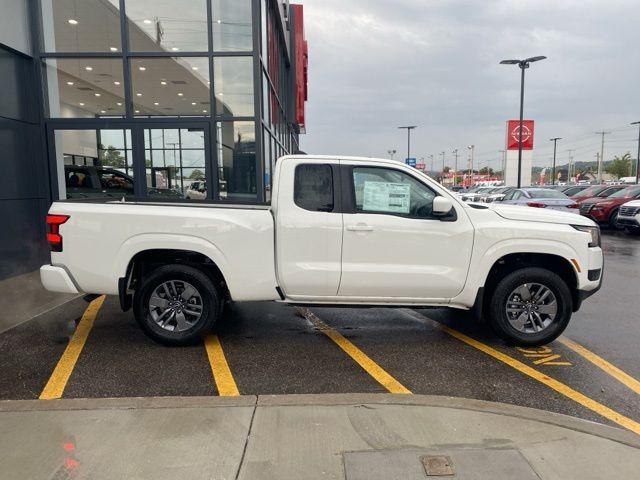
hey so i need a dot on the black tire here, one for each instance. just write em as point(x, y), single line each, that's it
point(208, 298)
point(498, 300)
point(613, 220)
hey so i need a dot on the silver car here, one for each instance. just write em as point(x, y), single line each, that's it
point(541, 198)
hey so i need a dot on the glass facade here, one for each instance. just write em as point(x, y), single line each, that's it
point(189, 97)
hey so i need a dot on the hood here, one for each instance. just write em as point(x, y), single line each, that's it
point(633, 203)
point(531, 214)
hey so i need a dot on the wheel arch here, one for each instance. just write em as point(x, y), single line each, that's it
point(515, 261)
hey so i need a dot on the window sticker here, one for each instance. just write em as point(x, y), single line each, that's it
point(386, 197)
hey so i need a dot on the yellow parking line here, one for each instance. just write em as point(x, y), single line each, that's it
point(361, 358)
point(220, 368)
point(550, 382)
point(60, 376)
point(601, 363)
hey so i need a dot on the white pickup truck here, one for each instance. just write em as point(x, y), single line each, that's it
point(339, 231)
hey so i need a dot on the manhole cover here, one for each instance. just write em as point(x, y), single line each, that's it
point(437, 465)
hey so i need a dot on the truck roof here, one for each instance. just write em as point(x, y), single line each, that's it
point(342, 157)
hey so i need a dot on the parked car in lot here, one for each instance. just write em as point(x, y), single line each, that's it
point(541, 198)
point(629, 217)
point(604, 211)
point(475, 194)
point(596, 191)
point(572, 190)
point(496, 195)
point(339, 231)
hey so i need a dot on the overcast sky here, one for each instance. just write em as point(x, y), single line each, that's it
point(377, 64)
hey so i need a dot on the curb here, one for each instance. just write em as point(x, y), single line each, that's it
point(328, 400)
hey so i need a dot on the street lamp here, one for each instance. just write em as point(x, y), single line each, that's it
point(408, 129)
point(523, 65)
point(455, 168)
point(431, 157)
point(391, 153)
point(442, 181)
point(553, 171)
point(638, 157)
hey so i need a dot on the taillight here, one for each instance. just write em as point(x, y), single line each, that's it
point(536, 205)
point(53, 231)
point(573, 205)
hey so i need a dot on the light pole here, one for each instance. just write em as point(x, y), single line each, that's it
point(553, 170)
point(431, 157)
point(408, 129)
point(471, 148)
point(601, 157)
point(570, 174)
point(638, 157)
point(442, 178)
point(503, 153)
point(523, 65)
point(391, 153)
point(455, 168)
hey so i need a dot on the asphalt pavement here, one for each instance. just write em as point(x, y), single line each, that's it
point(266, 348)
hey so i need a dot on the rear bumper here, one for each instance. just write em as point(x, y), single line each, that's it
point(57, 279)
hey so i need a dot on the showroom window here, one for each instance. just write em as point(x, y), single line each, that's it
point(167, 25)
point(232, 26)
point(236, 152)
point(81, 26)
point(84, 87)
point(175, 86)
point(233, 84)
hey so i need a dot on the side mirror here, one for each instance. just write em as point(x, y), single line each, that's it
point(442, 206)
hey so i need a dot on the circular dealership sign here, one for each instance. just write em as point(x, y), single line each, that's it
point(526, 133)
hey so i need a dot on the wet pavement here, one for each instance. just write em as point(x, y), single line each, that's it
point(271, 348)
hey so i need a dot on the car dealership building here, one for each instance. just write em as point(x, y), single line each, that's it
point(171, 99)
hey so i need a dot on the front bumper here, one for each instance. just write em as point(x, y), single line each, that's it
point(57, 279)
point(629, 222)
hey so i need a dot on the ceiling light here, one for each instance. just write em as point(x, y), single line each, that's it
point(142, 69)
point(116, 83)
point(113, 49)
point(119, 104)
point(88, 69)
point(97, 94)
point(219, 21)
point(72, 21)
point(194, 68)
point(147, 21)
point(221, 94)
point(193, 103)
point(204, 111)
point(163, 82)
point(156, 103)
point(69, 83)
point(175, 49)
point(81, 104)
point(180, 94)
point(137, 111)
point(103, 111)
point(138, 94)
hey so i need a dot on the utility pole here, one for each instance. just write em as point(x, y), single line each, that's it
point(553, 171)
point(455, 168)
point(598, 160)
point(504, 162)
point(431, 157)
point(601, 158)
point(638, 157)
point(570, 174)
point(408, 129)
point(442, 178)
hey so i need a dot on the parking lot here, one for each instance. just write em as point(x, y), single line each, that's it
point(265, 348)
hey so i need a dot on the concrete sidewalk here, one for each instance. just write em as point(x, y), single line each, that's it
point(356, 436)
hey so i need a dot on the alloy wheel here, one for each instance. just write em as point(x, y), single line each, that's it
point(175, 305)
point(531, 308)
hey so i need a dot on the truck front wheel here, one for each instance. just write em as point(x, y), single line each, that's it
point(176, 305)
point(530, 306)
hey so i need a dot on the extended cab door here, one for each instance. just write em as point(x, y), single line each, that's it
point(308, 228)
point(393, 246)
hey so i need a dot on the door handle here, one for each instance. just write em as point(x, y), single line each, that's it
point(360, 227)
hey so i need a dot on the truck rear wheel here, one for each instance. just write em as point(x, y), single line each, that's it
point(529, 307)
point(176, 305)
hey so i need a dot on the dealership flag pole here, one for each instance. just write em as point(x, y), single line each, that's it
point(638, 157)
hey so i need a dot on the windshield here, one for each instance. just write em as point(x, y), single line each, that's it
point(546, 193)
point(626, 193)
point(593, 191)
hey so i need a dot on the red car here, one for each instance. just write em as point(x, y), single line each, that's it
point(605, 210)
point(597, 191)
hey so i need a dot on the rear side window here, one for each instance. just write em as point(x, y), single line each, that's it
point(313, 188)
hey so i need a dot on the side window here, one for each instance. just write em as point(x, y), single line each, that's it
point(516, 195)
point(385, 190)
point(78, 183)
point(313, 187)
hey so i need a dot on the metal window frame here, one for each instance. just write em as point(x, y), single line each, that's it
point(137, 124)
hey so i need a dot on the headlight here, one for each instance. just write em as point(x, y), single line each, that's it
point(593, 231)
